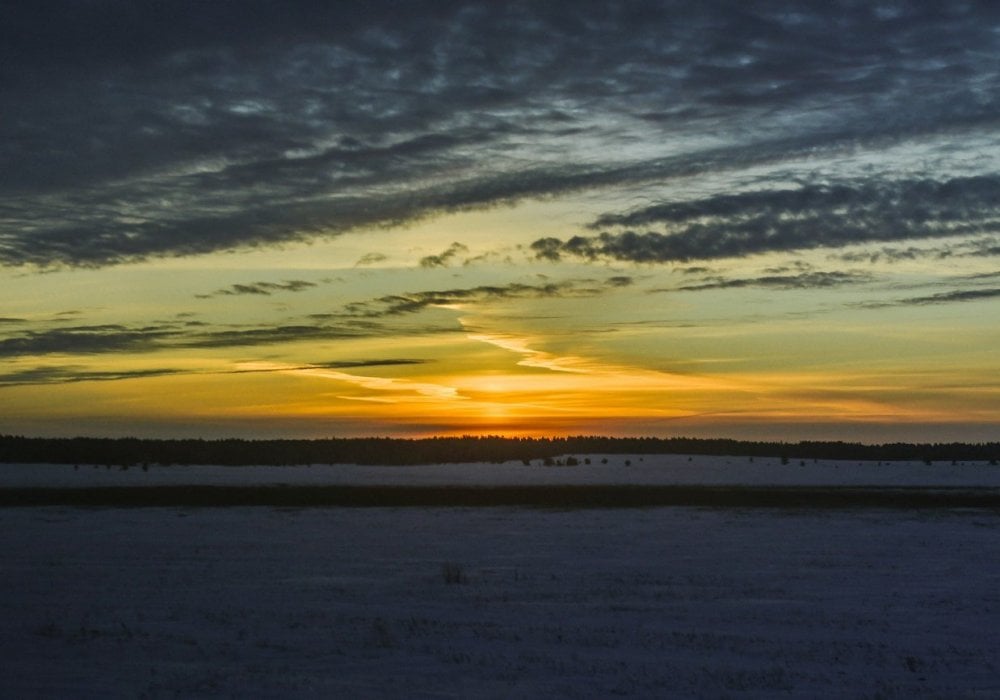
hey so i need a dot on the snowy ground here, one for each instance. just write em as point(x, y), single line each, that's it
point(503, 602)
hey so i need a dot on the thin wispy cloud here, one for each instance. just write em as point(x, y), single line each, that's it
point(409, 303)
point(130, 339)
point(949, 297)
point(986, 246)
point(83, 340)
point(804, 280)
point(444, 258)
point(350, 321)
point(250, 368)
point(371, 259)
point(575, 373)
point(380, 389)
point(260, 288)
point(73, 374)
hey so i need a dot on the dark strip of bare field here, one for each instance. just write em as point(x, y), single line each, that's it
point(534, 496)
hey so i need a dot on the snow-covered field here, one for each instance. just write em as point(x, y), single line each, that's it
point(502, 602)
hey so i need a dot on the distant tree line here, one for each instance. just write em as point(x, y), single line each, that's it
point(394, 451)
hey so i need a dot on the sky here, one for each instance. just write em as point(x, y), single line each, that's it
point(767, 220)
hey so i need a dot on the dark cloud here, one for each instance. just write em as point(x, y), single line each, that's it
point(811, 216)
point(355, 364)
point(986, 246)
point(83, 340)
point(370, 259)
point(114, 339)
point(894, 254)
point(413, 302)
point(444, 258)
point(71, 374)
point(950, 297)
point(137, 129)
point(987, 249)
point(260, 288)
point(249, 336)
point(804, 280)
point(619, 281)
point(337, 364)
point(982, 276)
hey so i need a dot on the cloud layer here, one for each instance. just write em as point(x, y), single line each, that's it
point(811, 216)
point(361, 319)
point(400, 304)
point(137, 130)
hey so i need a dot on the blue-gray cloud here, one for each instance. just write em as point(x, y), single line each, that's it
point(810, 216)
point(987, 246)
point(134, 130)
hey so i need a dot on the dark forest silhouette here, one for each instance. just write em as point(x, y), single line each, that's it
point(394, 451)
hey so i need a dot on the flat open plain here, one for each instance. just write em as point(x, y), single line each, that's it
point(503, 601)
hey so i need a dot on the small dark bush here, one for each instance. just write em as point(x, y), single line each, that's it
point(453, 574)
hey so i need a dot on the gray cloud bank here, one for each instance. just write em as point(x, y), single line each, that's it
point(837, 215)
point(137, 130)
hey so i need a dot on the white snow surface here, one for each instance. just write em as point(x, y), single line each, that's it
point(356, 603)
point(620, 469)
point(502, 602)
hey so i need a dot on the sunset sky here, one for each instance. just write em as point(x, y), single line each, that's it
point(772, 220)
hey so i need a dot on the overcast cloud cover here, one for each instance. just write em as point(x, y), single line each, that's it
point(137, 129)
